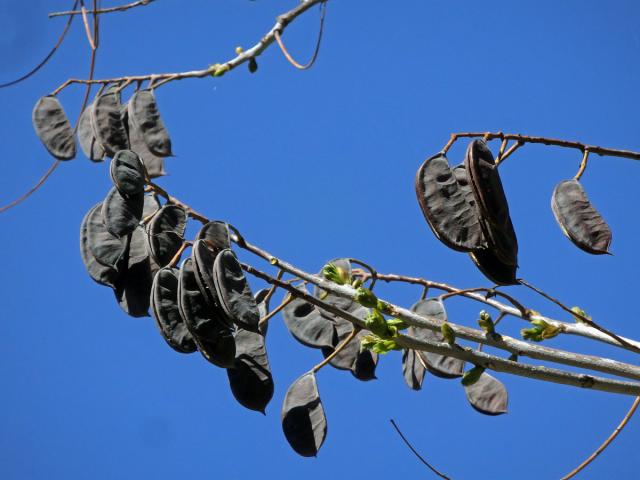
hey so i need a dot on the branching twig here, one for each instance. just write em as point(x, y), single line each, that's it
point(318, 42)
point(415, 452)
point(338, 349)
point(121, 8)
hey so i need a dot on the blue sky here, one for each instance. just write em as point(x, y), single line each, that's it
point(314, 165)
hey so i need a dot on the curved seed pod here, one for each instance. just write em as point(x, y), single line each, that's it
point(151, 206)
point(122, 215)
point(340, 302)
point(127, 173)
point(164, 303)
point(216, 233)
point(412, 369)
point(234, 292)
point(438, 365)
point(107, 249)
point(307, 325)
point(445, 206)
point(133, 290)
point(108, 125)
point(488, 395)
point(153, 164)
point(578, 220)
point(90, 146)
point(203, 261)
point(100, 273)
point(263, 308)
point(214, 340)
point(493, 268)
point(250, 377)
point(303, 419)
point(166, 233)
point(143, 110)
point(364, 368)
point(491, 202)
point(53, 128)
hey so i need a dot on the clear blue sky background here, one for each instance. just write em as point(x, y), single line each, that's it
point(313, 165)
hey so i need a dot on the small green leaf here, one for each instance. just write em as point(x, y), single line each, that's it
point(580, 313)
point(335, 274)
point(448, 334)
point(486, 322)
point(472, 376)
point(366, 297)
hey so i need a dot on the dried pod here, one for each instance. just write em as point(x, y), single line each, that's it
point(216, 233)
point(88, 143)
point(127, 173)
point(143, 111)
point(445, 206)
point(578, 219)
point(133, 291)
point(303, 419)
point(234, 292)
point(153, 163)
point(488, 395)
point(99, 272)
point(493, 268)
point(53, 128)
point(164, 303)
point(263, 309)
point(106, 248)
point(121, 215)
point(412, 369)
point(439, 365)
point(108, 125)
point(250, 377)
point(307, 325)
point(166, 233)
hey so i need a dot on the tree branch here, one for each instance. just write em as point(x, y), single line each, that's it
point(121, 8)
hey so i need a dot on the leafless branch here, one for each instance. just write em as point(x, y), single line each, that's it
point(120, 8)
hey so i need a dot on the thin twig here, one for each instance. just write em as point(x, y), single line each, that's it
point(26, 195)
point(338, 349)
point(323, 9)
point(415, 452)
point(273, 312)
point(121, 8)
point(87, 28)
point(583, 165)
point(606, 443)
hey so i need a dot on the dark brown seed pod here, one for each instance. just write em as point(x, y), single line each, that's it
point(108, 125)
point(491, 202)
point(234, 292)
point(127, 173)
point(133, 291)
point(102, 274)
point(164, 306)
point(250, 377)
point(493, 268)
point(91, 148)
point(106, 248)
point(166, 233)
point(216, 233)
point(143, 110)
point(445, 206)
point(153, 164)
point(412, 369)
point(439, 365)
point(578, 219)
point(121, 215)
point(53, 128)
point(263, 309)
point(488, 395)
point(303, 419)
point(307, 325)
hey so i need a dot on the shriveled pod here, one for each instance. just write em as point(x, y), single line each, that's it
point(493, 267)
point(488, 395)
point(153, 163)
point(578, 219)
point(439, 365)
point(491, 201)
point(53, 128)
point(263, 309)
point(166, 233)
point(122, 215)
point(133, 291)
point(100, 273)
point(307, 325)
point(108, 124)
point(106, 248)
point(90, 146)
point(216, 234)
point(234, 292)
point(250, 377)
point(164, 306)
point(127, 173)
point(143, 110)
point(413, 369)
point(446, 207)
point(303, 420)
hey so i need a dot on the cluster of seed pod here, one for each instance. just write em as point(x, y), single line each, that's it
point(467, 210)
point(105, 127)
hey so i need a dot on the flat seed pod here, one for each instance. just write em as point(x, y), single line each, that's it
point(340, 302)
point(412, 369)
point(106, 248)
point(102, 274)
point(439, 365)
point(303, 419)
point(122, 215)
point(234, 292)
point(307, 325)
point(91, 148)
point(153, 164)
point(164, 303)
point(488, 395)
point(166, 233)
point(53, 128)
point(216, 233)
point(263, 308)
point(133, 291)
point(364, 368)
point(491, 202)
point(143, 110)
point(250, 377)
point(203, 260)
point(445, 206)
point(493, 268)
point(214, 340)
point(127, 173)
point(578, 219)
point(151, 206)
point(108, 125)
